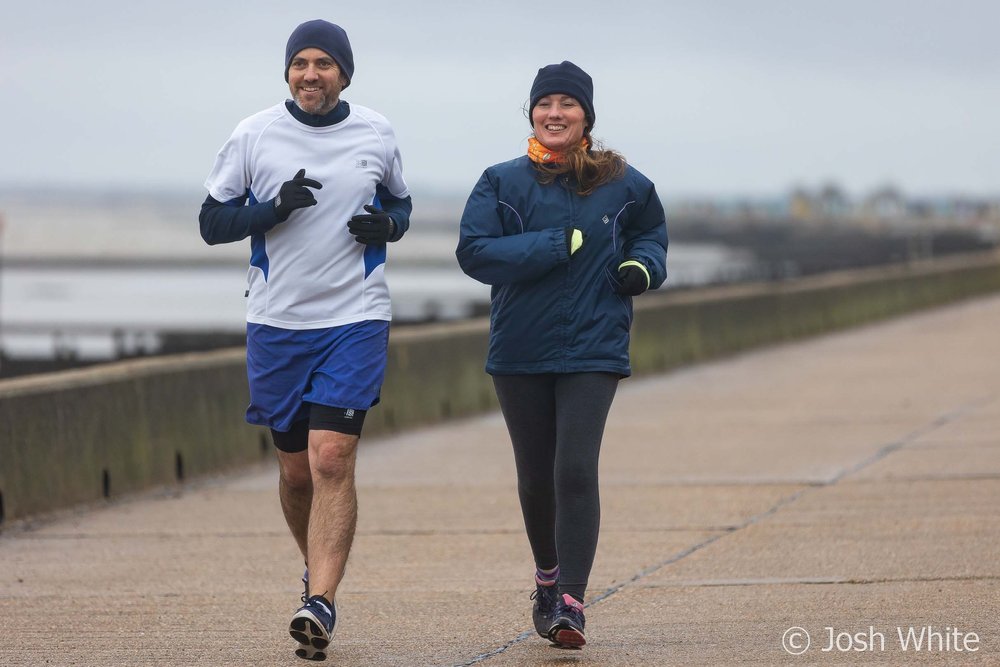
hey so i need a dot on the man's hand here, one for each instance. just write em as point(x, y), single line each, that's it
point(372, 229)
point(295, 194)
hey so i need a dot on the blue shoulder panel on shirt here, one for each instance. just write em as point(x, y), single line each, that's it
point(241, 200)
point(258, 248)
point(374, 256)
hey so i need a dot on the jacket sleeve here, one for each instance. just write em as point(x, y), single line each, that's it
point(485, 254)
point(645, 238)
point(226, 222)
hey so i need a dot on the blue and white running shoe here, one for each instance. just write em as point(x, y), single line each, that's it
point(313, 627)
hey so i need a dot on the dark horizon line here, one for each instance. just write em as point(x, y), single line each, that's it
point(176, 193)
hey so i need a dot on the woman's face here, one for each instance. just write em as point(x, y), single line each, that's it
point(559, 121)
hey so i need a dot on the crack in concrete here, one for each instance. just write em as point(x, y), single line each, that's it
point(816, 581)
point(879, 455)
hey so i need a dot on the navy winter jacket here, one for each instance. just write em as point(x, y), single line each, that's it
point(552, 313)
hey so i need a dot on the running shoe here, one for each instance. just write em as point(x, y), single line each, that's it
point(566, 630)
point(546, 598)
point(312, 627)
point(305, 586)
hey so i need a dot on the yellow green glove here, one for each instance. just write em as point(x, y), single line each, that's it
point(574, 240)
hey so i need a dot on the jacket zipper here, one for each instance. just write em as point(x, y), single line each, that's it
point(568, 290)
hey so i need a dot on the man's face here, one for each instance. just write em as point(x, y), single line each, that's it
point(315, 80)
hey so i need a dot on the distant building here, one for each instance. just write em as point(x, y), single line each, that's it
point(885, 209)
point(833, 203)
point(800, 205)
point(885, 203)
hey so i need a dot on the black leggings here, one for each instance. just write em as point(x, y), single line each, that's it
point(556, 422)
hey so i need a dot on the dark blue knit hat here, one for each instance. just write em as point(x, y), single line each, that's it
point(568, 79)
point(324, 36)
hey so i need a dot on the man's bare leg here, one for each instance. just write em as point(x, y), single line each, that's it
point(295, 490)
point(334, 512)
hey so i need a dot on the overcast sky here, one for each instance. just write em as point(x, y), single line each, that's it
point(706, 97)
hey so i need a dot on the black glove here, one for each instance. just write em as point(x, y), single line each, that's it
point(373, 229)
point(633, 280)
point(295, 194)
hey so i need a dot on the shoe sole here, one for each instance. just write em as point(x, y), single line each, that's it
point(312, 637)
point(566, 636)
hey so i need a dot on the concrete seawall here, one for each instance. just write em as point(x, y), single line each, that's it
point(79, 436)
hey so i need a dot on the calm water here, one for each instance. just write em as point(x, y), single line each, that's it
point(93, 277)
point(45, 307)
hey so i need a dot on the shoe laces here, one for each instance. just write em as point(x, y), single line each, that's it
point(574, 608)
point(542, 595)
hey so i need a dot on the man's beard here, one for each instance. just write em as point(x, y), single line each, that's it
point(320, 107)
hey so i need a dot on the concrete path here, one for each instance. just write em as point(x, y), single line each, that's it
point(850, 482)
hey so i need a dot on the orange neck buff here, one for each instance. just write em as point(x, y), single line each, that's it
point(539, 153)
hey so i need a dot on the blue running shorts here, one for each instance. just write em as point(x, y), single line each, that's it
point(288, 370)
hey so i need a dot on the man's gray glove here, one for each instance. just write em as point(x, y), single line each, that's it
point(372, 229)
point(295, 194)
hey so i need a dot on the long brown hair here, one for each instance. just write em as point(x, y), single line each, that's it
point(592, 166)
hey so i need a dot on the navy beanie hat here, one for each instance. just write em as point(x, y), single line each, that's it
point(568, 79)
point(324, 36)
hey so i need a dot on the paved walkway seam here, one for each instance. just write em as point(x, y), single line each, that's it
point(879, 455)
